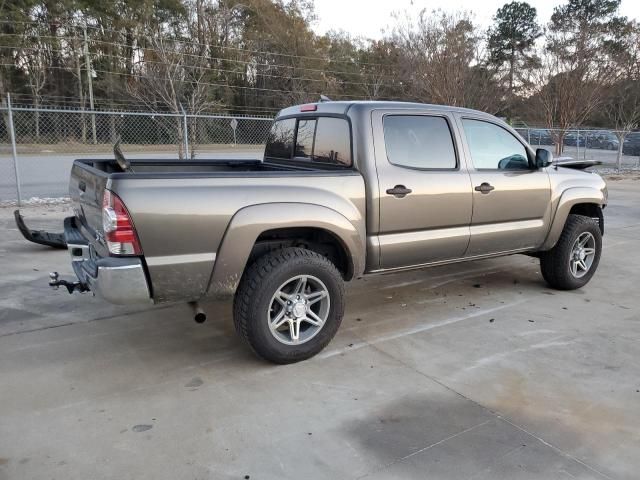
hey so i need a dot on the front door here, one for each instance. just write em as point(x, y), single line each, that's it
point(511, 198)
point(424, 188)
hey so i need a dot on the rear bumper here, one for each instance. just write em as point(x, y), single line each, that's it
point(120, 280)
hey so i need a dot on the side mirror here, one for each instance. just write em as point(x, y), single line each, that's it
point(543, 158)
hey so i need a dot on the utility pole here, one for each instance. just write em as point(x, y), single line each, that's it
point(87, 62)
point(14, 152)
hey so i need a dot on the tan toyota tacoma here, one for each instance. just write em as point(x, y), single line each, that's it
point(345, 189)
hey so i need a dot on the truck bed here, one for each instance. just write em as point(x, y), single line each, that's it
point(182, 209)
point(163, 168)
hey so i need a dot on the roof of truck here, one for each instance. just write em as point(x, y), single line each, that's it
point(343, 106)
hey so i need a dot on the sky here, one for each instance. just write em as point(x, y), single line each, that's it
point(368, 18)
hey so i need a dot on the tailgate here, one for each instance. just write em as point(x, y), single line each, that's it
point(86, 189)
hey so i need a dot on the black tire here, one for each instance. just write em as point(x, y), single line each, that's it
point(255, 293)
point(555, 263)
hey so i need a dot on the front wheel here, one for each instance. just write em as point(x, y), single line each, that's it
point(572, 262)
point(289, 305)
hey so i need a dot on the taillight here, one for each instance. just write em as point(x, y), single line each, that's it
point(119, 231)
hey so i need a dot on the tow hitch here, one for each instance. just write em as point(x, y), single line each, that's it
point(70, 286)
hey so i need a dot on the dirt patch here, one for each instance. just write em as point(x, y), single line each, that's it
point(621, 176)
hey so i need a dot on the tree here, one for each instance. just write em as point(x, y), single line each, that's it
point(623, 111)
point(33, 58)
point(441, 61)
point(511, 41)
point(627, 56)
point(582, 40)
point(171, 78)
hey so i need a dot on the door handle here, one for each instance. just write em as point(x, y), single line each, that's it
point(484, 187)
point(399, 191)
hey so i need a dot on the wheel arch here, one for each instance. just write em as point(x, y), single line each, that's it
point(316, 239)
point(578, 200)
point(592, 210)
point(260, 228)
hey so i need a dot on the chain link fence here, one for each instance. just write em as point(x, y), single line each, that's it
point(38, 146)
point(589, 144)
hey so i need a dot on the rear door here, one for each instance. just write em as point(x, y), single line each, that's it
point(511, 198)
point(425, 190)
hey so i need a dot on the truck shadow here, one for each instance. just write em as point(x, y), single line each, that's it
point(452, 437)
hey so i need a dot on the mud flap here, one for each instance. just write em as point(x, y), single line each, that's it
point(54, 240)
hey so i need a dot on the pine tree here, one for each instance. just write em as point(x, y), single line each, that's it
point(511, 41)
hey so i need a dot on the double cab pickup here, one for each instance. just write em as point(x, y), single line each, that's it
point(344, 189)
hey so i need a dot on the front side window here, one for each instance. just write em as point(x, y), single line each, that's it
point(419, 141)
point(493, 147)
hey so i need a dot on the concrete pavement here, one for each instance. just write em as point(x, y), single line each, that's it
point(475, 370)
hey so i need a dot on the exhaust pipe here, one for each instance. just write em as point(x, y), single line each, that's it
point(198, 313)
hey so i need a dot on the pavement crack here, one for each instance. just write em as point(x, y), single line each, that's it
point(428, 447)
point(82, 322)
point(494, 413)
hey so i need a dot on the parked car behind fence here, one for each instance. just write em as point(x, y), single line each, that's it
point(602, 139)
point(631, 145)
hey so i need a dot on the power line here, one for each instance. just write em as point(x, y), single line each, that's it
point(72, 109)
point(214, 69)
point(223, 47)
point(211, 84)
point(129, 103)
point(222, 59)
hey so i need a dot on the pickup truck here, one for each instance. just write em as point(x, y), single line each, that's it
point(345, 189)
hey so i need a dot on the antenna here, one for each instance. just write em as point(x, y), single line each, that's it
point(324, 98)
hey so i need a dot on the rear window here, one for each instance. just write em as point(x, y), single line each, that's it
point(324, 140)
point(304, 140)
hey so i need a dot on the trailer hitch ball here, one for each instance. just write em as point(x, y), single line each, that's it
point(56, 283)
point(53, 282)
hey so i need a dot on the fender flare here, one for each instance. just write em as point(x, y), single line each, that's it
point(249, 222)
point(569, 198)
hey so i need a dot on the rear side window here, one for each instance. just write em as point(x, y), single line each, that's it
point(280, 140)
point(333, 141)
point(419, 141)
point(317, 139)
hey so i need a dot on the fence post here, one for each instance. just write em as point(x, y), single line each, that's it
point(87, 62)
point(185, 134)
point(14, 151)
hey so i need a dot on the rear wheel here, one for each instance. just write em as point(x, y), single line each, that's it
point(572, 262)
point(289, 305)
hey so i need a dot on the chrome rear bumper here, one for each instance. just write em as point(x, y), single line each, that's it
point(120, 280)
